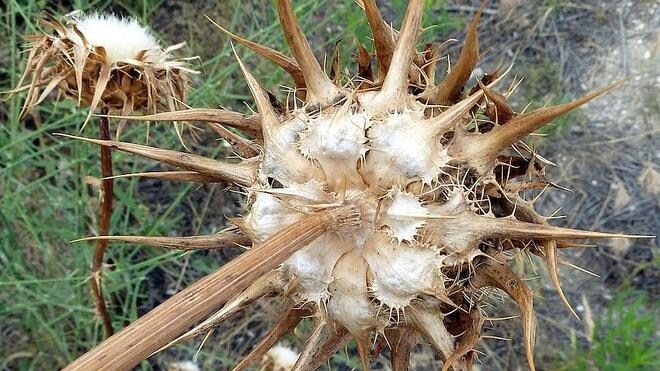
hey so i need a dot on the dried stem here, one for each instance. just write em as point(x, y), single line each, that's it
point(149, 333)
point(104, 226)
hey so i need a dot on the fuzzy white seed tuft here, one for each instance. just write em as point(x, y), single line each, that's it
point(122, 38)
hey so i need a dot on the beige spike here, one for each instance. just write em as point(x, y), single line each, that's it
point(364, 351)
point(250, 123)
point(571, 265)
point(402, 341)
point(449, 90)
point(503, 136)
point(433, 328)
point(269, 283)
point(330, 344)
point(469, 339)
point(269, 119)
point(32, 92)
point(298, 166)
point(494, 274)
point(320, 89)
point(178, 176)
point(503, 111)
point(49, 88)
point(243, 147)
point(430, 62)
point(509, 228)
point(243, 173)
point(324, 337)
point(80, 54)
point(549, 250)
point(287, 64)
point(229, 237)
point(99, 88)
point(287, 322)
point(395, 85)
point(448, 119)
point(28, 68)
point(384, 41)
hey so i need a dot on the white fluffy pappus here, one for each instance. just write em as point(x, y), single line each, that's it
point(122, 38)
point(282, 357)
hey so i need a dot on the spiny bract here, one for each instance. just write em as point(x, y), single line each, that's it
point(435, 176)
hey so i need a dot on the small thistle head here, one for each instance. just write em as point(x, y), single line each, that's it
point(103, 61)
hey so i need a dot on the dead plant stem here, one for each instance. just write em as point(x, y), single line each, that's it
point(104, 226)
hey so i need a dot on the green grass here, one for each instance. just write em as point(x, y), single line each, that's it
point(624, 338)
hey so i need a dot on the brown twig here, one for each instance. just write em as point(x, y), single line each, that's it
point(104, 226)
point(157, 328)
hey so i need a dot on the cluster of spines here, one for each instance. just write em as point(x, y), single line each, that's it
point(400, 69)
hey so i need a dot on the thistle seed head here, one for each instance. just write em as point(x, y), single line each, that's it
point(103, 61)
point(434, 174)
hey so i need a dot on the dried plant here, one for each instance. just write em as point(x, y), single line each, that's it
point(104, 62)
point(110, 63)
point(384, 205)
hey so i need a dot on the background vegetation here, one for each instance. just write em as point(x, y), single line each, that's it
point(48, 193)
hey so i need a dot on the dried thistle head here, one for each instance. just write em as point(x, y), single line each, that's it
point(405, 198)
point(103, 61)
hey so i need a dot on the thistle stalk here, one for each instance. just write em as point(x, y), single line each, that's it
point(104, 226)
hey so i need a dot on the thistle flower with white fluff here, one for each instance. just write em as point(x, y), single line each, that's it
point(103, 61)
point(384, 205)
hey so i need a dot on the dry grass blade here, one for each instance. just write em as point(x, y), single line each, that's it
point(136, 342)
